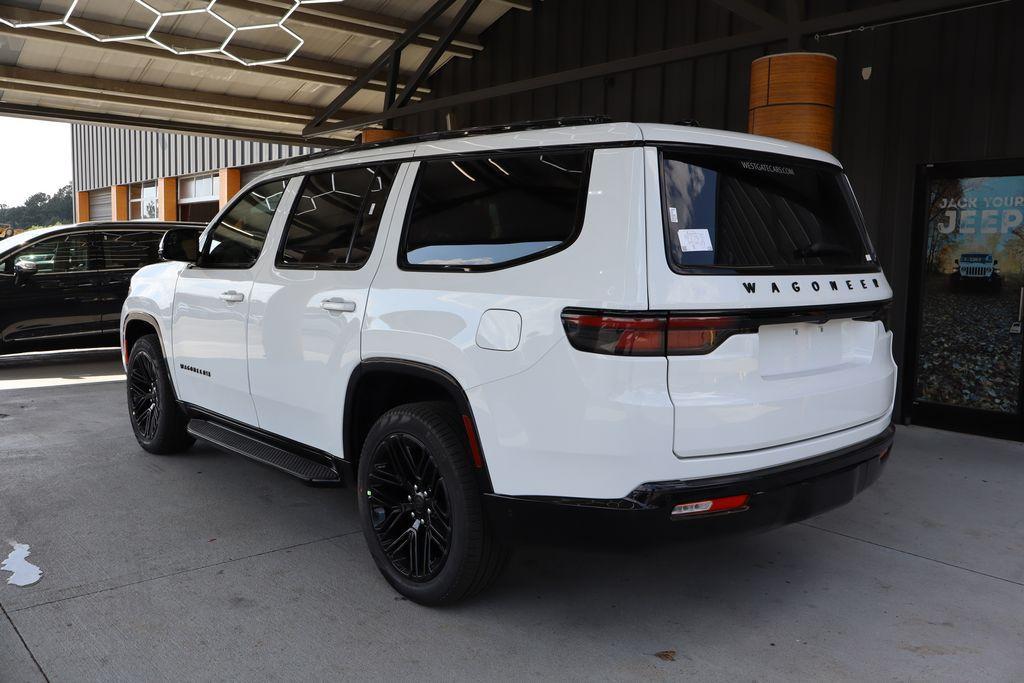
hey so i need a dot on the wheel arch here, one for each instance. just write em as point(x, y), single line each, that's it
point(136, 324)
point(379, 384)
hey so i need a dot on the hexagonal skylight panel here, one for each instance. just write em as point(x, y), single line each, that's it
point(21, 23)
point(206, 26)
point(157, 13)
point(265, 33)
point(132, 9)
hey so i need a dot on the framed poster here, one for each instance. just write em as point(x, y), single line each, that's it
point(968, 298)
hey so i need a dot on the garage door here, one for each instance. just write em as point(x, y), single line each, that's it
point(99, 205)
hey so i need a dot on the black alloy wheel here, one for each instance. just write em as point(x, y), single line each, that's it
point(409, 507)
point(421, 506)
point(159, 424)
point(143, 396)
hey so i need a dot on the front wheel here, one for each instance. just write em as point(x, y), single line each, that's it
point(159, 424)
point(420, 506)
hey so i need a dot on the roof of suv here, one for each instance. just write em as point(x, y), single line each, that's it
point(554, 135)
point(28, 235)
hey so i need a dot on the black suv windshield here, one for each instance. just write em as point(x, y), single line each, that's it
point(730, 213)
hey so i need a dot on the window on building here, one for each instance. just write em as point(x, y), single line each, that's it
point(142, 201)
point(237, 239)
point(471, 214)
point(335, 218)
point(198, 197)
point(129, 249)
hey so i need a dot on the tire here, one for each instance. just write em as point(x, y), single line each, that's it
point(156, 418)
point(415, 475)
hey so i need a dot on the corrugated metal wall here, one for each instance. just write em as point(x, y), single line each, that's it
point(105, 155)
point(942, 88)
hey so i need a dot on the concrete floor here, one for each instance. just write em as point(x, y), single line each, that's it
point(205, 566)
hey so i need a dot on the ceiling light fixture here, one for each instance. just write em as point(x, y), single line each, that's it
point(225, 47)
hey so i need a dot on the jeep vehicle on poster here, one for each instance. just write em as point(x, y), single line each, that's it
point(976, 270)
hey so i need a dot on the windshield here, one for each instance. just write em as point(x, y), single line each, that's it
point(728, 213)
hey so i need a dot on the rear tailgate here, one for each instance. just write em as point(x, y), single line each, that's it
point(802, 352)
point(786, 382)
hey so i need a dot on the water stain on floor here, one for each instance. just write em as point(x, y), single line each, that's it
point(23, 572)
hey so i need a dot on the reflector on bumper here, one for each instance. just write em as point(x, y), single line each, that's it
point(712, 505)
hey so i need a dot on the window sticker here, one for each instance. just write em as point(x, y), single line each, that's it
point(673, 215)
point(695, 239)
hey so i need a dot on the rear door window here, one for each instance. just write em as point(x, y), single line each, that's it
point(335, 219)
point(129, 249)
point(482, 213)
point(727, 213)
point(237, 238)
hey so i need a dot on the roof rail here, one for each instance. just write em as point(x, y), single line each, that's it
point(539, 124)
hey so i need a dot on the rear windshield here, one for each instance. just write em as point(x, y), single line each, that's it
point(727, 214)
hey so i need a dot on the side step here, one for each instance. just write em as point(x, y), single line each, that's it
point(296, 465)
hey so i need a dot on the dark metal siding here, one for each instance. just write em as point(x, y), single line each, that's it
point(106, 155)
point(942, 88)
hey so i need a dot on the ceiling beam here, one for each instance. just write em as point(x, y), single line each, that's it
point(524, 5)
point(750, 12)
point(307, 71)
point(184, 100)
point(74, 116)
point(99, 103)
point(896, 9)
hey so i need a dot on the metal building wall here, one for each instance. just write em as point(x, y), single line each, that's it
point(105, 155)
point(942, 88)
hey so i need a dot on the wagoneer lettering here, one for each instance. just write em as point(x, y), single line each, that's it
point(600, 330)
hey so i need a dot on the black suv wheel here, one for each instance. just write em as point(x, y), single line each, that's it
point(157, 420)
point(420, 506)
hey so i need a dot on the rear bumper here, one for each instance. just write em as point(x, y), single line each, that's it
point(778, 495)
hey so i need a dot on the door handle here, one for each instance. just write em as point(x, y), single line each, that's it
point(338, 304)
point(232, 297)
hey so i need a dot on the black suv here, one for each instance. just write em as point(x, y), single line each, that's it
point(63, 287)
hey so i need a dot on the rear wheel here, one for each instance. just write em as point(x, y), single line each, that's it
point(420, 506)
point(157, 420)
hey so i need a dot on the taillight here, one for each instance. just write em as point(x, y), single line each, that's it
point(703, 334)
point(614, 334)
point(621, 334)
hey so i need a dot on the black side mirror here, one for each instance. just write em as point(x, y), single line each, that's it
point(180, 244)
point(23, 270)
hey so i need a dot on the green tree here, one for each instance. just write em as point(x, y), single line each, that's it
point(41, 209)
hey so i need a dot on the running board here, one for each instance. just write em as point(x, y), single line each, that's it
point(298, 466)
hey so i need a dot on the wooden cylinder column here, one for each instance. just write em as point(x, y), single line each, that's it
point(793, 97)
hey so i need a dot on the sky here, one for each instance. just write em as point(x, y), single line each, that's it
point(35, 156)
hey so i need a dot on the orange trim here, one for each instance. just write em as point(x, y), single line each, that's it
point(474, 446)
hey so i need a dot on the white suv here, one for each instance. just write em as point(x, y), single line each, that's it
point(661, 329)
